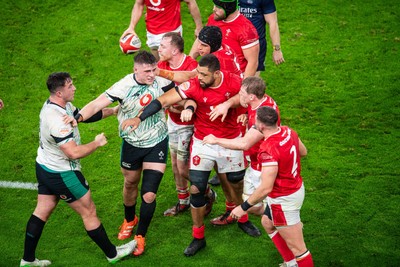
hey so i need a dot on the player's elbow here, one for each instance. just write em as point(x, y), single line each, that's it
point(72, 154)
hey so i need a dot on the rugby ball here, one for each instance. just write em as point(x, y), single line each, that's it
point(130, 44)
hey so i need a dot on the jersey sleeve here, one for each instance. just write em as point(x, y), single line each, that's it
point(249, 36)
point(266, 158)
point(118, 90)
point(61, 133)
point(268, 7)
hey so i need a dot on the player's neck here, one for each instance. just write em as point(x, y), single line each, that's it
point(177, 61)
point(232, 16)
point(256, 103)
point(268, 131)
point(57, 100)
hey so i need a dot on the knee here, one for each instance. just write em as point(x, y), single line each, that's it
point(149, 197)
point(267, 224)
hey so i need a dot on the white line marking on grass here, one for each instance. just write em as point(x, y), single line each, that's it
point(9, 184)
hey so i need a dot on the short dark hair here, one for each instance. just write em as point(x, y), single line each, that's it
point(57, 80)
point(144, 57)
point(267, 116)
point(176, 40)
point(254, 85)
point(211, 62)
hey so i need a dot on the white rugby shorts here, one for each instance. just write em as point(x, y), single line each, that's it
point(285, 210)
point(179, 139)
point(203, 157)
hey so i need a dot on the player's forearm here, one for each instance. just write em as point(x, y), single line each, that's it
point(274, 34)
point(194, 53)
point(251, 68)
point(195, 12)
point(137, 11)
point(177, 76)
point(81, 151)
point(235, 144)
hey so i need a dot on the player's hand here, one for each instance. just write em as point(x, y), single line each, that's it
point(237, 213)
point(69, 119)
point(126, 32)
point(209, 139)
point(1, 104)
point(115, 110)
point(101, 139)
point(133, 123)
point(220, 110)
point(277, 57)
point(243, 119)
point(186, 115)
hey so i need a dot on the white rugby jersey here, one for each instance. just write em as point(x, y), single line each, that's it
point(54, 133)
point(133, 97)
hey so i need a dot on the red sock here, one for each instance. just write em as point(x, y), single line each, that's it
point(198, 232)
point(305, 260)
point(282, 247)
point(229, 206)
point(183, 195)
point(244, 218)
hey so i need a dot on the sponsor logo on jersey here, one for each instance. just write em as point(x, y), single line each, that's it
point(248, 11)
point(145, 100)
point(184, 86)
point(64, 131)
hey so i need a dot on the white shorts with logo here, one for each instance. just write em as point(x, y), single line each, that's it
point(179, 139)
point(203, 157)
point(154, 40)
point(252, 179)
point(285, 210)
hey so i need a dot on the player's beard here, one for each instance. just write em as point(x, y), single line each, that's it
point(206, 85)
point(219, 18)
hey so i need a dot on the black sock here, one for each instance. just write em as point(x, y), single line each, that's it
point(99, 236)
point(130, 212)
point(33, 232)
point(146, 214)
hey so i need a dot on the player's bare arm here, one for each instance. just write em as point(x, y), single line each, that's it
point(251, 55)
point(93, 107)
point(74, 151)
point(268, 176)
point(272, 21)
point(302, 149)
point(189, 109)
point(251, 137)
point(137, 11)
point(176, 76)
point(195, 12)
point(165, 100)
point(222, 109)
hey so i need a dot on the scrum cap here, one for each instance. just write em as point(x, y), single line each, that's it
point(212, 36)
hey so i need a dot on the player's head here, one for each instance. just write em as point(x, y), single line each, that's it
point(171, 44)
point(267, 117)
point(210, 40)
point(144, 67)
point(252, 88)
point(60, 85)
point(223, 8)
point(208, 70)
